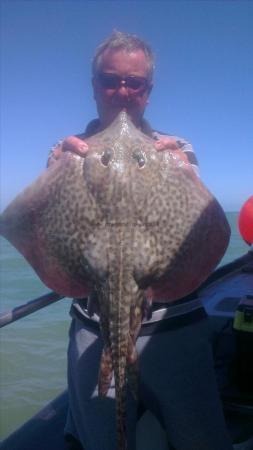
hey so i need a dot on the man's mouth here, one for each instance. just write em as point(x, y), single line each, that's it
point(121, 105)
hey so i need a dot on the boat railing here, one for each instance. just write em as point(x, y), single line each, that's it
point(31, 306)
point(28, 308)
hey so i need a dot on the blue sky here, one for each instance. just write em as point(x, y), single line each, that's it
point(203, 82)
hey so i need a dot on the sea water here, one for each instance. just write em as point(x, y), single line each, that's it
point(33, 349)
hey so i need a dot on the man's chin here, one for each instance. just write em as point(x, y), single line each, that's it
point(113, 114)
point(129, 110)
point(110, 117)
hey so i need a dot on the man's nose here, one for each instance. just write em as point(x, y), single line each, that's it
point(122, 90)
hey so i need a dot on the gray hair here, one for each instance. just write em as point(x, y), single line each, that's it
point(123, 41)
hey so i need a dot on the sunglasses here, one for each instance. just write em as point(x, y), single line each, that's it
point(114, 81)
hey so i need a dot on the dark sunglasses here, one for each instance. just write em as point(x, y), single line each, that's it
point(114, 81)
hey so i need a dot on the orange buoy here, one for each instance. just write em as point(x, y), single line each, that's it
point(245, 221)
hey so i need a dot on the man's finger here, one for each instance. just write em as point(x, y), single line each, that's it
point(75, 145)
point(166, 143)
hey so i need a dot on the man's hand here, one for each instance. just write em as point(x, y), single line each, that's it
point(70, 144)
point(75, 145)
point(166, 143)
point(170, 143)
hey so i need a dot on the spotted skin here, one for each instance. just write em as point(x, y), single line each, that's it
point(126, 223)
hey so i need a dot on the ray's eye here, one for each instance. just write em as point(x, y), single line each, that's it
point(106, 157)
point(139, 156)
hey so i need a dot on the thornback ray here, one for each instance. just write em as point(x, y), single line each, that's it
point(125, 222)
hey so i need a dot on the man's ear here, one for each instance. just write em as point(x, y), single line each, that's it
point(148, 91)
point(94, 86)
point(150, 87)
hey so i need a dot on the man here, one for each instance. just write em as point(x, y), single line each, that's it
point(177, 381)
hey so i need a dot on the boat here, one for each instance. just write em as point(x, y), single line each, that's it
point(227, 296)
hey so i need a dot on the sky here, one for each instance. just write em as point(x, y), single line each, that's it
point(203, 82)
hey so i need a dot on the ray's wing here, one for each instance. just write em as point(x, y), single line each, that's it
point(186, 237)
point(48, 223)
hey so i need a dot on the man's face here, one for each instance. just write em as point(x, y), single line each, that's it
point(110, 98)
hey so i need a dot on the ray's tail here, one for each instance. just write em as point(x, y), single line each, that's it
point(119, 354)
